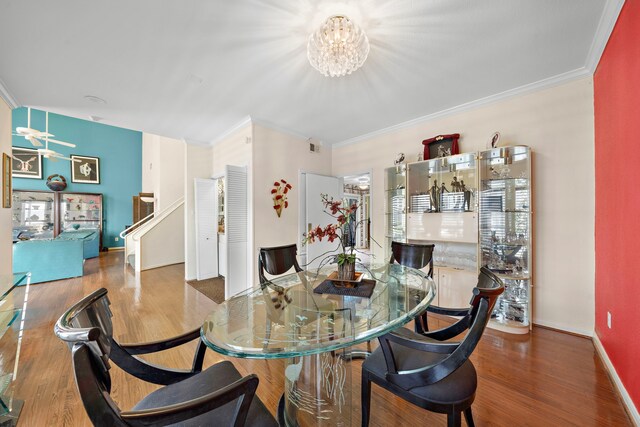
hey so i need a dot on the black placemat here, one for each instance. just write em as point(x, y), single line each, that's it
point(364, 289)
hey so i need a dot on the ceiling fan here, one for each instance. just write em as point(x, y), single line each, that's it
point(36, 137)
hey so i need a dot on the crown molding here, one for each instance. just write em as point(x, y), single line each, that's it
point(233, 129)
point(195, 142)
point(5, 94)
point(605, 27)
point(273, 126)
point(522, 90)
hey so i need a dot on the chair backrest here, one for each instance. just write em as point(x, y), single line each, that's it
point(89, 322)
point(489, 287)
point(412, 255)
point(277, 260)
point(87, 328)
point(484, 298)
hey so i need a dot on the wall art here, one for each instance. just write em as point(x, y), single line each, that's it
point(6, 180)
point(86, 171)
point(26, 163)
point(279, 195)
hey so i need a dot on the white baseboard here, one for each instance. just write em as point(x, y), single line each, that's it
point(563, 328)
point(631, 408)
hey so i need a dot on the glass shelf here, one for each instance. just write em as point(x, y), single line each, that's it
point(395, 205)
point(445, 184)
point(505, 231)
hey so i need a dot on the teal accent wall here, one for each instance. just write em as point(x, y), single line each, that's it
point(120, 153)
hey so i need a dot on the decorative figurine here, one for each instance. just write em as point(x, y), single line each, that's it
point(420, 156)
point(399, 159)
point(434, 195)
point(466, 205)
point(455, 185)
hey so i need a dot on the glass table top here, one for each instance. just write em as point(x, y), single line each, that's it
point(285, 318)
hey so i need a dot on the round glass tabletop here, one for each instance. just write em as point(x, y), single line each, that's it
point(285, 318)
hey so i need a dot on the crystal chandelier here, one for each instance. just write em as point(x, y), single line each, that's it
point(338, 47)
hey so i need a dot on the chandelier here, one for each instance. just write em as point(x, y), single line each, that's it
point(338, 47)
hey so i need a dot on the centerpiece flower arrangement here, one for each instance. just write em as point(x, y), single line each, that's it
point(344, 215)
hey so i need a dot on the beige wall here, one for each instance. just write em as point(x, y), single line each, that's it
point(278, 155)
point(234, 150)
point(197, 165)
point(557, 123)
point(163, 169)
point(5, 213)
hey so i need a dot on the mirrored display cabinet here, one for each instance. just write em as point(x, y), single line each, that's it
point(442, 210)
point(46, 214)
point(505, 231)
point(476, 209)
point(395, 191)
point(33, 214)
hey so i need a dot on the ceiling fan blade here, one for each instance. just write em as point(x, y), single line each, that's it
point(67, 144)
point(34, 141)
point(52, 158)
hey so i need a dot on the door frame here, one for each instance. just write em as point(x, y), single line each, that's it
point(302, 203)
point(197, 226)
point(371, 204)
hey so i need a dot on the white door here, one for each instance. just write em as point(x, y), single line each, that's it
point(236, 229)
point(206, 207)
point(315, 215)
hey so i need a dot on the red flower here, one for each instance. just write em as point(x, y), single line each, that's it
point(276, 184)
point(354, 207)
point(275, 206)
point(286, 190)
point(279, 196)
point(274, 191)
point(286, 204)
point(289, 186)
point(342, 219)
point(283, 181)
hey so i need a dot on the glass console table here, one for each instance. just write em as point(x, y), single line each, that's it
point(314, 333)
point(13, 306)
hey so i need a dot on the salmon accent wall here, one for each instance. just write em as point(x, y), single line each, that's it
point(617, 172)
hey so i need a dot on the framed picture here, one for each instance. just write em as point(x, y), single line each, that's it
point(6, 180)
point(26, 163)
point(86, 171)
point(441, 146)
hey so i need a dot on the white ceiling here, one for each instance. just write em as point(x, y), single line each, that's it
point(194, 69)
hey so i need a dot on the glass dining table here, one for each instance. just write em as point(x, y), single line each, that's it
point(285, 319)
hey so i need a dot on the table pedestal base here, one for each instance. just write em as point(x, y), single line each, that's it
point(317, 390)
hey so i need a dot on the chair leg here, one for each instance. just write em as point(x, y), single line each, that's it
point(454, 419)
point(365, 399)
point(421, 323)
point(468, 417)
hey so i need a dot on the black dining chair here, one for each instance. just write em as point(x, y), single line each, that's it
point(428, 371)
point(218, 395)
point(277, 260)
point(419, 256)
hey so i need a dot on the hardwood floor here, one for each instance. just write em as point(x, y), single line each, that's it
point(547, 378)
